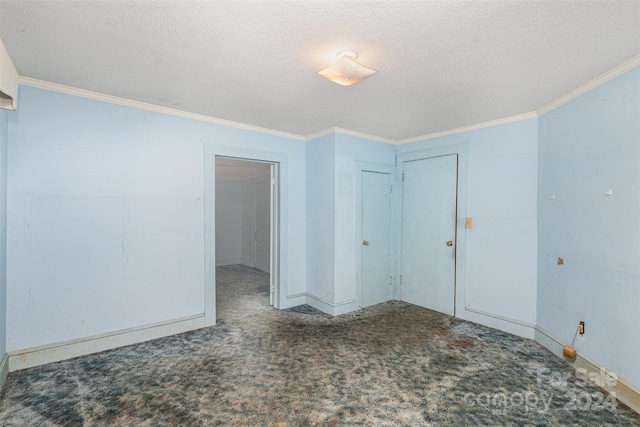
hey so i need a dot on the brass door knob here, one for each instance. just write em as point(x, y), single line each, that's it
point(365, 242)
point(450, 243)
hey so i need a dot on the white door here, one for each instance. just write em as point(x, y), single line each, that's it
point(429, 233)
point(377, 260)
point(261, 202)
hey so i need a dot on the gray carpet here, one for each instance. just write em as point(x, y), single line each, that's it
point(393, 364)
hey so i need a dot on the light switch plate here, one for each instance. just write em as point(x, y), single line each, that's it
point(469, 222)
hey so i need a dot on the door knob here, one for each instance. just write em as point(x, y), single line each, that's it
point(450, 243)
point(365, 242)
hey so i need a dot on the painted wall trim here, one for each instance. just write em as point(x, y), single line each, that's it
point(483, 125)
point(319, 303)
point(329, 307)
point(320, 134)
point(36, 356)
point(325, 301)
point(621, 69)
point(355, 134)
point(624, 390)
point(342, 131)
point(558, 102)
point(497, 316)
point(4, 370)
point(83, 93)
point(506, 324)
point(294, 301)
point(300, 295)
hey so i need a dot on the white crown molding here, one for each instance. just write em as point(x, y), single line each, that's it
point(348, 132)
point(320, 134)
point(355, 134)
point(483, 125)
point(40, 84)
point(558, 102)
point(616, 72)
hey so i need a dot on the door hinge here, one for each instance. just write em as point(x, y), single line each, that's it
point(402, 176)
point(401, 279)
point(391, 189)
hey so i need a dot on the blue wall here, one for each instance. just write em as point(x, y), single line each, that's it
point(106, 216)
point(501, 247)
point(350, 150)
point(587, 147)
point(331, 222)
point(320, 218)
point(4, 141)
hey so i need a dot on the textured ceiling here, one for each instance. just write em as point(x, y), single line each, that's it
point(443, 64)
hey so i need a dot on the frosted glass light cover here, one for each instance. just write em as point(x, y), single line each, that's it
point(346, 72)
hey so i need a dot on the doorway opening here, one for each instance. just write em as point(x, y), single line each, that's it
point(246, 234)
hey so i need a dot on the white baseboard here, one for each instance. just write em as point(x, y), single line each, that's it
point(506, 324)
point(233, 261)
point(319, 303)
point(624, 391)
point(55, 352)
point(294, 300)
point(345, 307)
point(334, 309)
point(4, 370)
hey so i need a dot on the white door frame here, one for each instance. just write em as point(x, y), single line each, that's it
point(377, 168)
point(274, 236)
point(460, 281)
point(278, 257)
point(268, 181)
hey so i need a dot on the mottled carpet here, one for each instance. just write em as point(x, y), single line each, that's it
point(393, 364)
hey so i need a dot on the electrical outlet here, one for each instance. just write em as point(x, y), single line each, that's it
point(581, 327)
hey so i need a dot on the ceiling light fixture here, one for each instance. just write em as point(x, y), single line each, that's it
point(346, 71)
